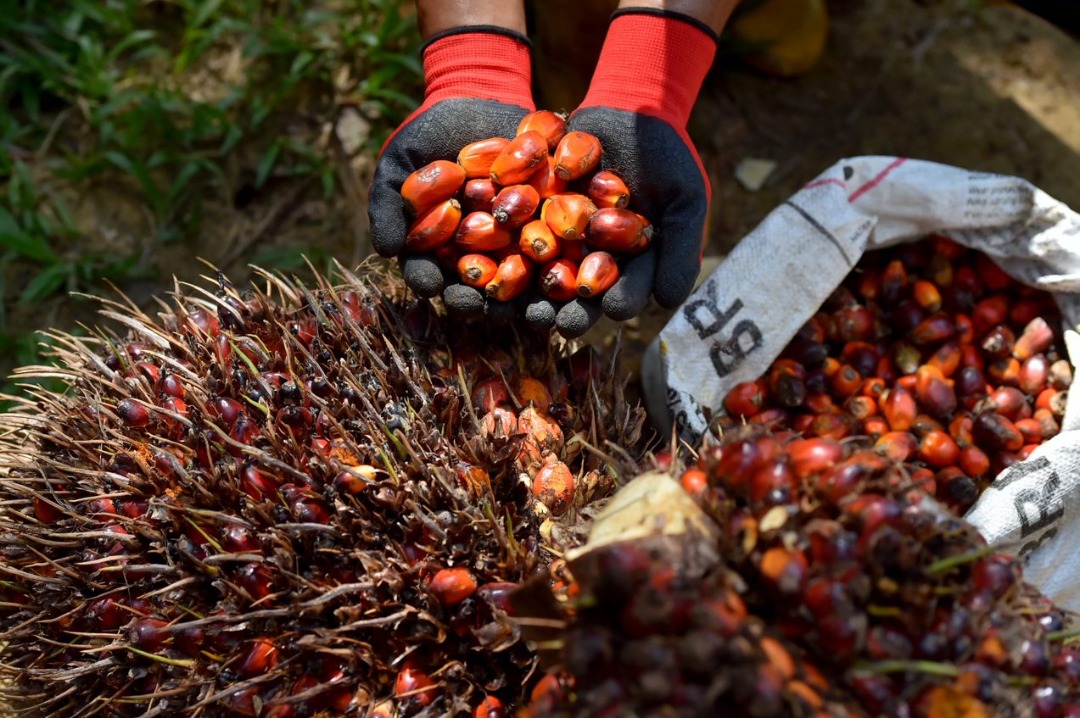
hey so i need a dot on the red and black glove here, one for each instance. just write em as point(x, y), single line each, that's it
point(478, 85)
point(645, 84)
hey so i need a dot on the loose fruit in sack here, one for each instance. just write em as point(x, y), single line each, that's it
point(933, 353)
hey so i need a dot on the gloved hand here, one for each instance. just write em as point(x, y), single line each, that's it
point(478, 85)
point(645, 84)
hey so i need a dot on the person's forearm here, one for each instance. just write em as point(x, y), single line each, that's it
point(437, 16)
point(714, 13)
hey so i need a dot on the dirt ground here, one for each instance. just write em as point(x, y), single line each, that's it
point(992, 89)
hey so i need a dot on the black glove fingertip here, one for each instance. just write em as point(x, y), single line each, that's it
point(463, 301)
point(628, 297)
point(577, 316)
point(676, 283)
point(540, 313)
point(423, 275)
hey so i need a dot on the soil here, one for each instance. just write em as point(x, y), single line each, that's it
point(993, 89)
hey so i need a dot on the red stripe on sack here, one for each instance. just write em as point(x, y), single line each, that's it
point(877, 180)
point(823, 182)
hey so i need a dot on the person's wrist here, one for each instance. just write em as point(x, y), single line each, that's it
point(478, 62)
point(435, 17)
point(652, 62)
point(712, 14)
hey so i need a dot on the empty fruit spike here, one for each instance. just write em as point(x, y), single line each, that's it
point(578, 154)
point(476, 157)
point(519, 159)
point(550, 126)
point(431, 184)
point(597, 273)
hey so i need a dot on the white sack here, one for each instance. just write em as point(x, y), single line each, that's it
point(743, 315)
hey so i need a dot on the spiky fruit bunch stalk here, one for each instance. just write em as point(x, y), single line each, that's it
point(283, 503)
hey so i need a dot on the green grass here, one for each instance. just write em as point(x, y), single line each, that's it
point(160, 99)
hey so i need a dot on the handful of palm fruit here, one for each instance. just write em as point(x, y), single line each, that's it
point(530, 212)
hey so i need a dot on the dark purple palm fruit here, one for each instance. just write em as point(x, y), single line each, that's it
point(281, 503)
point(897, 600)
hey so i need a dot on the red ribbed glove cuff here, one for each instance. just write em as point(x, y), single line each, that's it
point(652, 65)
point(478, 65)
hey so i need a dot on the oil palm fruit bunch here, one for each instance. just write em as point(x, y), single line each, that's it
point(531, 213)
point(839, 588)
point(652, 629)
point(290, 501)
point(936, 354)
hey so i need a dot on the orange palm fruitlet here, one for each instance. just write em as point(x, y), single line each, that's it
point(434, 228)
point(550, 126)
point(574, 251)
point(558, 280)
point(568, 215)
point(545, 181)
point(478, 195)
point(479, 232)
point(515, 205)
point(476, 270)
point(511, 278)
point(532, 391)
point(618, 230)
point(577, 155)
point(431, 184)
point(519, 159)
point(476, 157)
point(538, 242)
point(554, 486)
point(261, 658)
point(451, 586)
point(607, 190)
point(597, 273)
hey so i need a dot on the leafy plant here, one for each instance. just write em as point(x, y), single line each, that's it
point(179, 103)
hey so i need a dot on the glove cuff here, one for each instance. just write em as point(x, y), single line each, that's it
point(480, 62)
point(652, 63)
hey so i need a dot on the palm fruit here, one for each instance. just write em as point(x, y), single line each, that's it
point(537, 195)
point(658, 625)
point(933, 352)
point(284, 502)
point(809, 577)
point(891, 595)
